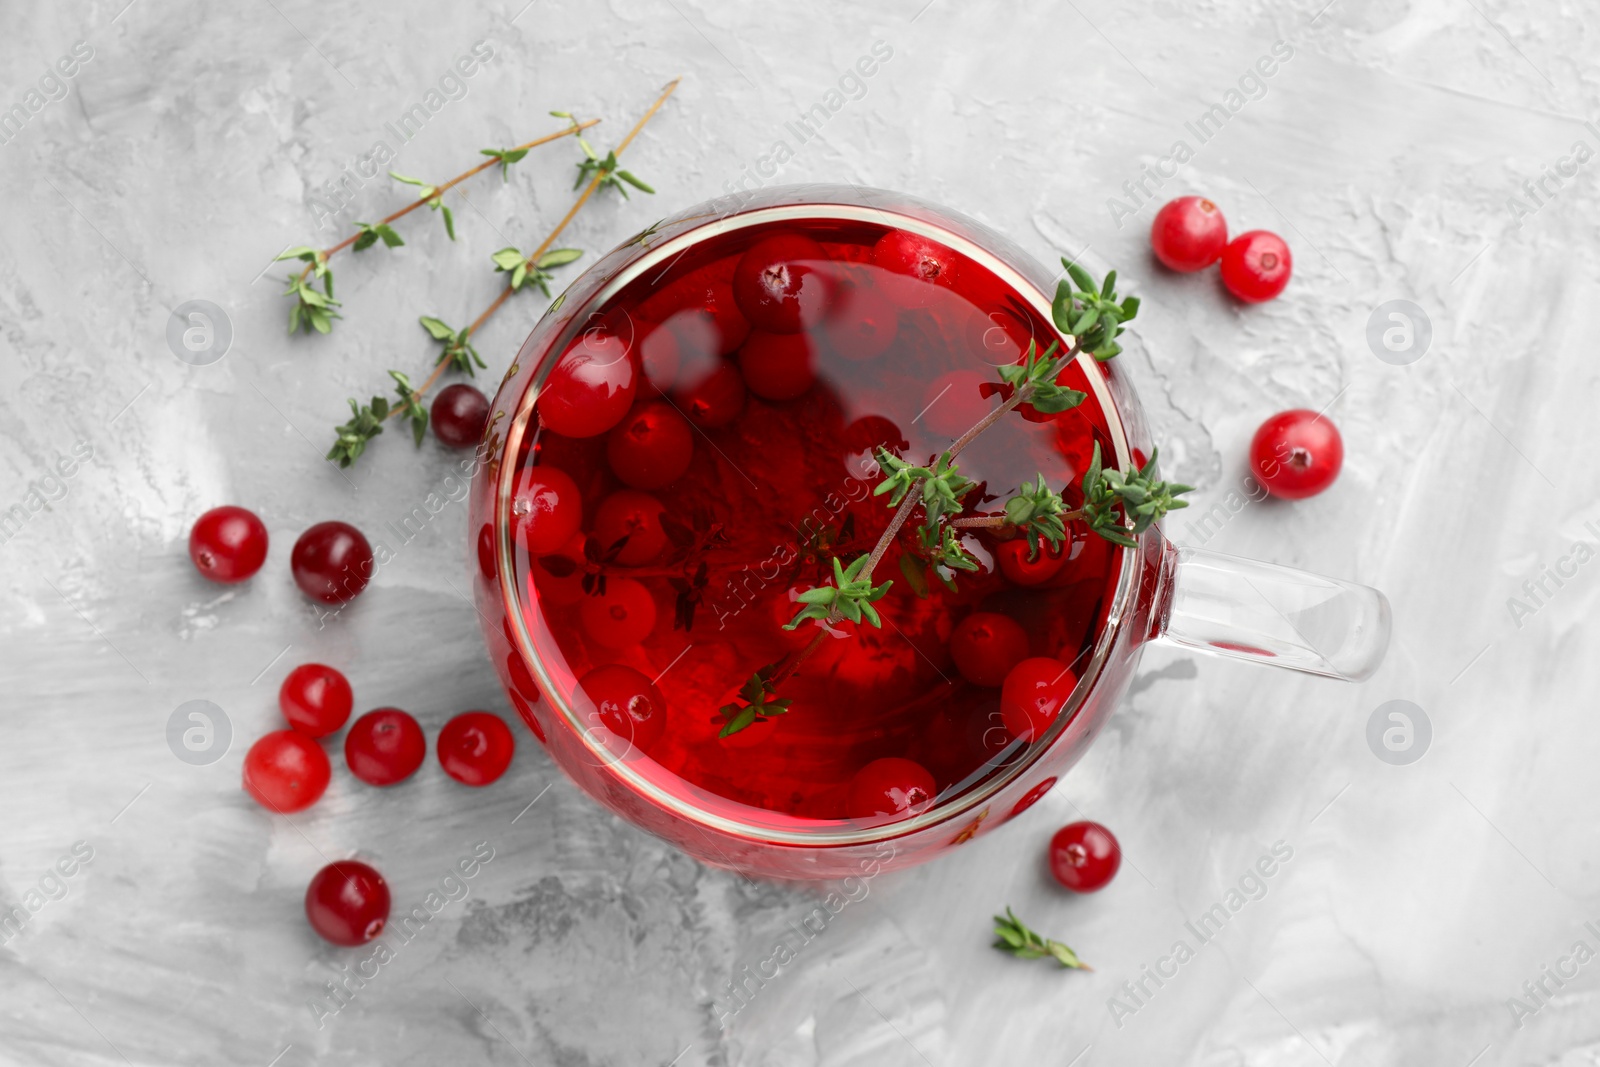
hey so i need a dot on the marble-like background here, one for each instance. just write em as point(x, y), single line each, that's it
point(1419, 898)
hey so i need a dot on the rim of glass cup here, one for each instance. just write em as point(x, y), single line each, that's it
point(991, 777)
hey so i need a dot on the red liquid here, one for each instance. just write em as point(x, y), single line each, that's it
point(770, 496)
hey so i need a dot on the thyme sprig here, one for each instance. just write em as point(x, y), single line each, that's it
point(524, 269)
point(850, 597)
point(458, 351)
point(760, 704)
point(1015, 937)
point(1091, 313)
point(605, 172)
point(433, 196)
point(1140, 494)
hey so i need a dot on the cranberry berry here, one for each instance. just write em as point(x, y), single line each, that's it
point(459, 415)
point(1297, 454)
point(652, 447)
point(706, 319)
point(591, 387)
point(316, 699)
point(1084, 856)
point(913, 262)
point(228, 544)
point(627, 704)
point(862, 324)
point(891, 786)
point(546, 509)
point(712, 398)
point(777, 366)
point(623, 616)
point(635, 516)
point(659, 359)
point(986, 645)
point(347, 903)
point(285, 771)
point(1028, 565)
point(384, 747)
point(332, 562)
point(1189, 234)
point(782, 283)
point(1256, 266)
point(1033, 695)
point(475, 747)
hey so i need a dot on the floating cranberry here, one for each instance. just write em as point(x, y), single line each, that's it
point(624, 616)
point(385, 746)
point(1297, 454)
point(986, 645)
point(782, 283)
point(286, 771)
point(591, 387)
point(1188, 234)
point(1256, 266)
point(1026, 565)
point(636, 516)
point(475, 747)
point(627, 704)
point(546, 509)
point(659, 359)
point(709, 319)
point(316, 699)
point(1084, 856)
point(913, 262)
point(714, 398)
point(228, 544)
point(558, 578)
point(778, 366)
point(862, 324)
point(459, 414)
point(1034, 692)
point(652, 447)
point(347, 903)
point(891, 786)
point(332, 562)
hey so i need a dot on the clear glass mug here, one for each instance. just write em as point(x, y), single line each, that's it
point(1200, 600)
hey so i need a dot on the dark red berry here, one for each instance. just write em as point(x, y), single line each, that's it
point(1297, 454)
point(459, 415)
point(652, 447)
point(706, 318)
point(316, 699)
point(659, 359)
point(228, 544)
point(1034, 692)
point(332, 562)
point(1084, 856)
point(1189, 234)
point(1028, 565)
point(891, 786)
point(626, 704)
point(782, 283)
point(559, 584)
point(1256, 266)
point(347, 903)
point(862, 324)
point(713, 398)
point(911, 263)
point(636, 516)
point(546, 509)
point(624, 616)
point(591, 387)
point(778, 366)
point(384, 747)
point(475, 747)
point(986, 645)
point(286, 771)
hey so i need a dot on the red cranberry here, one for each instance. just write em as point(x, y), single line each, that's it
point(913, 262)
point(862, 324)
point(285, 771)
point(558, 585)
point(347, 903)
point(636, 516)
point(627, 704)
point(1188, 233)
point(986, 645)
point(777, 366)
point(1084, 856)
point(591, 387)
point(475, 747)
point(624, 616)
point(714, 398)
point(332, 562)
point(316, 699)
point(707, 319)
point(1297, 454)
point(1027, 566)
point(660, 359)
point(891, 786)
point(459, 415)
point(1256, 266)
point(782, 283)
point(1034, 693)
point(546, 509)
point(384, 747)
point(652, 447)
point(228, 544)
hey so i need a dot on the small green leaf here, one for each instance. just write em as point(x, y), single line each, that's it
point(558, 257)
point(436, 328)
point(449, 223)
point(912, 568)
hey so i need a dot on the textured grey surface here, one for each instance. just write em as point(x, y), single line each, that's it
point(1419, 898)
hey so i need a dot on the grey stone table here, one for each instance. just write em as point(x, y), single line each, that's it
point(1431, 151)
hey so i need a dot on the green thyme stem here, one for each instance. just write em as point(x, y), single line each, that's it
point(990, 522)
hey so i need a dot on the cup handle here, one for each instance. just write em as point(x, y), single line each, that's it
point(1245, 609)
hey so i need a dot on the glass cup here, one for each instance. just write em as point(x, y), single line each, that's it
point(1156, 592)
